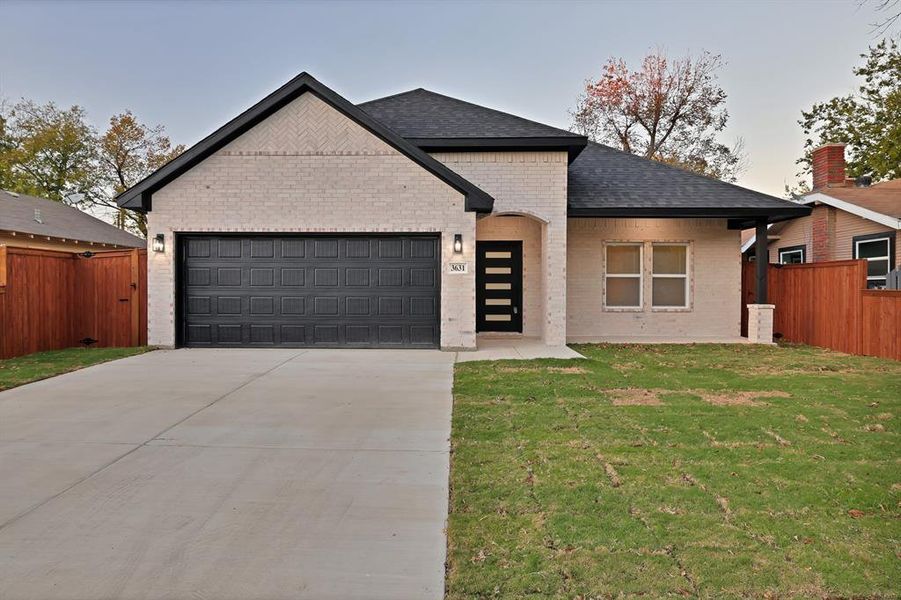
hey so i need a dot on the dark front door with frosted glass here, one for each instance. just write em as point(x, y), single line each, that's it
point(499, 286)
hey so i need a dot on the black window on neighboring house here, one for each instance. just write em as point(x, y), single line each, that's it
point(878, 249)
point(792, 255)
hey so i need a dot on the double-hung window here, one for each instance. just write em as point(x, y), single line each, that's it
point(791, 255)
point(669, 275)
point(623, 276)
point(877, 250)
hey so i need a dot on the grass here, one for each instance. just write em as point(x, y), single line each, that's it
point(645, 472)
point(41, 365)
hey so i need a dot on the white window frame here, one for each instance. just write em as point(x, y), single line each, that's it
point(686, 276)
point(639, 276)
point(792, 250)
point(887, 258)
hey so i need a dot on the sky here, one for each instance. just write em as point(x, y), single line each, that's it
point(193, 65)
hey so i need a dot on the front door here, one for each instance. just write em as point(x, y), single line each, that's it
point(499, 286)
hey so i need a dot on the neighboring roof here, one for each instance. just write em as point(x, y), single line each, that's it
point(17, 213)
point(437, 122)
point(749, 236)
point(880, 203)
point(139, 197)
point(605, 182)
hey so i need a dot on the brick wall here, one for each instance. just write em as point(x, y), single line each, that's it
point(307, 168)
point(533, 184)
point(822, 233)
point(715, 281)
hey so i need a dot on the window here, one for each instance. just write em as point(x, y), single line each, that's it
point(792, 255)
point(669, 287)
point(878, 251)
point(623, 276)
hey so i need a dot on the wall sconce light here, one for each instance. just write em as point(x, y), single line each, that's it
point(458, 243)
point(159, 243)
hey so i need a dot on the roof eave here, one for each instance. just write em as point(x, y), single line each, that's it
point(739, 217)
point(854, 209)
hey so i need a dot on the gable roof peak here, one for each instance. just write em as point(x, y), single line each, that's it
point(139, 196)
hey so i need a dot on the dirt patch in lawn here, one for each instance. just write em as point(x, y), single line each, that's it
point(634, 396)
point(627, 367)
point(563, 370)
point(738, 398)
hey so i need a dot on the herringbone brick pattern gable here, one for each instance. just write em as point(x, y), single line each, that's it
point(308, 126)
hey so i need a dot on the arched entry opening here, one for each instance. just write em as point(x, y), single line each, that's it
point(510, 279)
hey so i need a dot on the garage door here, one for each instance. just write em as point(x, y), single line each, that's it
point(309, 291)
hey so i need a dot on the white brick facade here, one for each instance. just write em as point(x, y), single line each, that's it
point(715, 281)
point(307, 168)
point(533, 184)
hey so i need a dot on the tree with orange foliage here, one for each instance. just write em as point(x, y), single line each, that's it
point(128, 152)
point(671, 110)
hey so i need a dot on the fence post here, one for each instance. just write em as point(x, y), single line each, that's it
point(862, 268)
point(135, 299)
point(761, 255)
point(2, 268)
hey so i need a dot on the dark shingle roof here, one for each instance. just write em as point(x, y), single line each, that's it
point(604, 181)
point(17, 213)
point(421, 114)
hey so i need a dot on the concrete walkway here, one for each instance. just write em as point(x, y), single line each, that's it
point(515, 348)
point(229, 474)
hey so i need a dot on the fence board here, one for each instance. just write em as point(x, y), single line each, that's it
point(881, 334)
point(826, 304)
point(51, 300)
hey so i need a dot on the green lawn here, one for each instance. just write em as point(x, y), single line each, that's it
point(650, 471)
point(41, 365)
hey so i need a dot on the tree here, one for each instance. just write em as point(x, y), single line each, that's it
point(868, 121)
point(891, 9)
point(128, 152)
point(47, 151)
point(669, 110)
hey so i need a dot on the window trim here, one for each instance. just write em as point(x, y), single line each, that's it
point(888, 236)
point(686, 276)
point(640, 276)
point(802, 248)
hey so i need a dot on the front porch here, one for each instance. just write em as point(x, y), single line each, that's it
point(514, 348)
point(520, 283)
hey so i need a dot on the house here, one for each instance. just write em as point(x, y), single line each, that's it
point(420, 220)
point(31, 222)
point(850, 219)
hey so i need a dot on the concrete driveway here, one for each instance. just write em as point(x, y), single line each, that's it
point(229, 474)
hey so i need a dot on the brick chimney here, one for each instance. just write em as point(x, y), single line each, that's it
point(828, 166)
point(822, 231)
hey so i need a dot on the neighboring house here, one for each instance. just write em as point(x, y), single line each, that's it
point(30, 222)
point(851, 219)
point(419, 220)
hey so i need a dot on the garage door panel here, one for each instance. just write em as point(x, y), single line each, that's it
point(228, 334)
point(309, 291)
point(292, 277)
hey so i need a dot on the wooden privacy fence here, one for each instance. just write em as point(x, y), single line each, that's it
point(827, 304)
point(51, 300)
